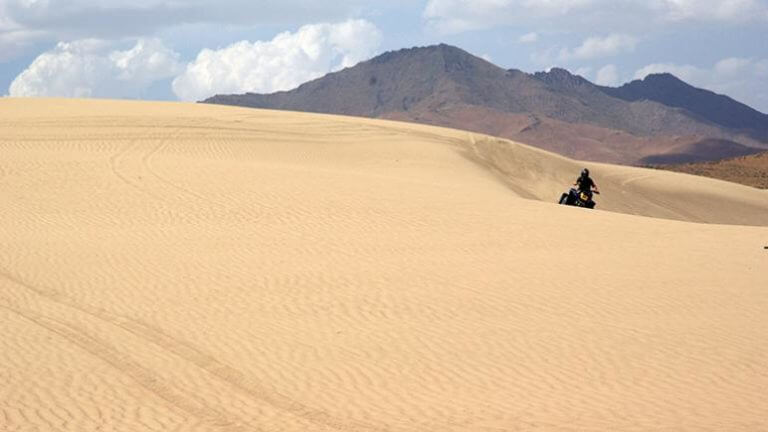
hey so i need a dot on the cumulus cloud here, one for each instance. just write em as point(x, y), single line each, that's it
point(607, 76)
point(741, 78)
point(279, 64)
point(97, 68)
point(596, 47)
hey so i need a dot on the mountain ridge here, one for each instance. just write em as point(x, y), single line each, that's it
point(671, 91)
point(750, 170)
point(446, 86)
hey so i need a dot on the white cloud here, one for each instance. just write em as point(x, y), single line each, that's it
point(712, 10)
point(607, 76)
point(13, 43)
point(280, 64)
point(529, 38)
point(691, 74)
point(67, 15)
point(732, 65)
point(14, 38)
point(597, 47)
point(25, 21)
point(96, 68)
point(740, 78)
point(455, 16)
point(583, 71)
point(591, 48)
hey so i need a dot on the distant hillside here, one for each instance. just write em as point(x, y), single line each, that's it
point(748, 170)
point(555, 110)
point(719, 109)
point(700, 151)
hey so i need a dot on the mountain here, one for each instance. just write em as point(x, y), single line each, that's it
point(556, 110)
point(748, 170)
point(700, 151)
point(719, 109)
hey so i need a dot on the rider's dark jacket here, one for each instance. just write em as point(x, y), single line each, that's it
point(585, 184)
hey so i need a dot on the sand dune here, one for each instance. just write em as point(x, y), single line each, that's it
point(199, 268)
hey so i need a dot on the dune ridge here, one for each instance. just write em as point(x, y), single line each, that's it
point(171, 266)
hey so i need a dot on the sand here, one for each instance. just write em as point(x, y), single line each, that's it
point(181, 267)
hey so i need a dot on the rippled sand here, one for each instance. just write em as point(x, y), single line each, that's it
point(175, 267)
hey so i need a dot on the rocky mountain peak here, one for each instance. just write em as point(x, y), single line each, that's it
point(560, 78)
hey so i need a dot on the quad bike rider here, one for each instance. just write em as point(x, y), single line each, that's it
point(581, 196)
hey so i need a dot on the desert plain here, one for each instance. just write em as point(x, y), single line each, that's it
point(185, 267)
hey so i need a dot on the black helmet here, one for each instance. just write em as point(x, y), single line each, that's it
point(585, 172)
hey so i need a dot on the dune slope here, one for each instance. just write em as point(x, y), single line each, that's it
point(201, 268)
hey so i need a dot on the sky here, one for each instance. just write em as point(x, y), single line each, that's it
point(193, 49)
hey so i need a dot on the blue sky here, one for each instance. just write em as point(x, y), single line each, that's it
point(188, 50)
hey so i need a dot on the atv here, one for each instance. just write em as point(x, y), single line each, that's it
point(578, 199)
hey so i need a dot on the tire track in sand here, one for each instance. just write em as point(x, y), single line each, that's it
point(136, 161)
point(132, 165)
point(146, 163)
point(251, 388)
point(144, 377)
point(116, 160)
